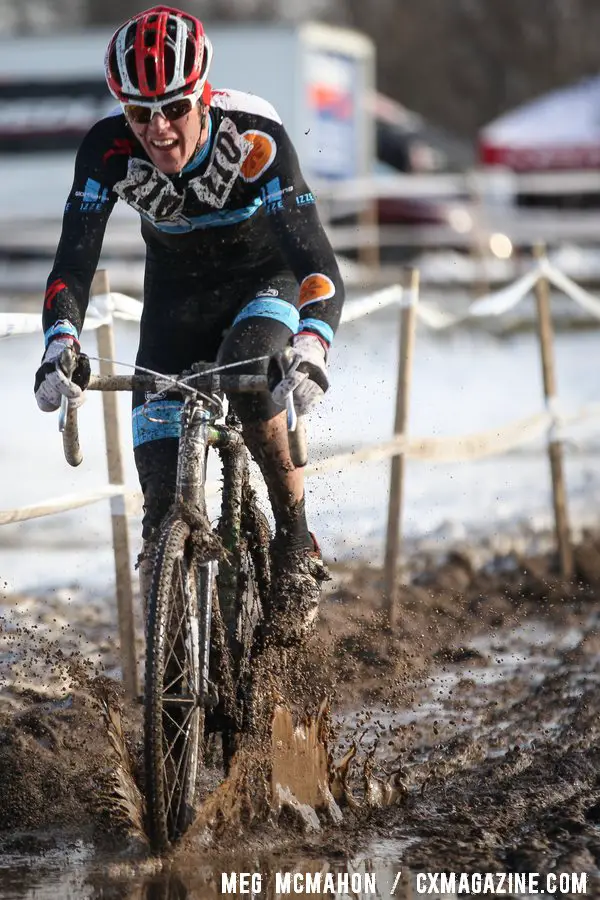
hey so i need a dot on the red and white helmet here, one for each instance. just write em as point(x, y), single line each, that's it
point(161, 52)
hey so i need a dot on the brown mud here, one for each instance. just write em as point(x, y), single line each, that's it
point(471, 730)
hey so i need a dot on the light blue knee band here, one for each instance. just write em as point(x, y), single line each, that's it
point(271, 308)
point(168, 412)
point(321, 328)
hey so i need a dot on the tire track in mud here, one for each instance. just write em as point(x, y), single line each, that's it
point(482, 709)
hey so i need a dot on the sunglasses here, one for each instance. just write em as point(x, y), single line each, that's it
point(143, 114)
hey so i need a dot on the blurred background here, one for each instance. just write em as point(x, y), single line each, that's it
point(448, 136)
point(503, 97)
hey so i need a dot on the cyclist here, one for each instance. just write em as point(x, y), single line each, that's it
point(237, 266)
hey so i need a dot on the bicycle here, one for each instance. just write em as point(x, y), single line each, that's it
point(209, 592)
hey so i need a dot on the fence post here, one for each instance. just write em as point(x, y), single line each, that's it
point(559, 494)
point(369, 253)
point(116, 475)
point(393, 544)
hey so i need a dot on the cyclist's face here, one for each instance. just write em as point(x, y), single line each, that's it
point(170, 145)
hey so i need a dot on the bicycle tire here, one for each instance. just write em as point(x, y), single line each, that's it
point(254, 580)
point(174, 685)
point(252, 593)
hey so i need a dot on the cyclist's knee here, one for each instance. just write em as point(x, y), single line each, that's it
point(264, 326)
point(252, 341)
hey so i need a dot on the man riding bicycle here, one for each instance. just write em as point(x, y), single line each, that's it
point(238, 266)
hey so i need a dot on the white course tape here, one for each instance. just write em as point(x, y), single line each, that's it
point(499, 302)
point(59, 504)
point(480, 445)
point(126, 307)
point(496, 303)
point(31, 323)
point(356, 309)
point(122, 500)
point(451, 449)
point(582, 297)
point(493, 304)
point(557, 423)
point(434, 317)
point(19, 323)
point(114, 304)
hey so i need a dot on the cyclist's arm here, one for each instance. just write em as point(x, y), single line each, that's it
point(89, 205)
point(292, 213)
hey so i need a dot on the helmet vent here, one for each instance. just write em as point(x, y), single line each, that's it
point(190, 58)
point(150, 69)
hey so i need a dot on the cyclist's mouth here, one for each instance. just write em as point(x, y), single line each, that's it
point(163, 145)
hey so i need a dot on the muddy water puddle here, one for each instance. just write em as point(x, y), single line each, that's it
point(75, 871)
point(458, 695)
point(495, 760)
point(378, 872)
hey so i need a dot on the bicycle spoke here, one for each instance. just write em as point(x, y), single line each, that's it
point(179, 726)
point(177, 768)
point(167, 688)
point(175, 637)
point(183, 764)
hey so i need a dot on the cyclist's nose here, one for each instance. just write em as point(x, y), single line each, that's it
point(158, 122)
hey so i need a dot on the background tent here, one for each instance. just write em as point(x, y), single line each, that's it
point(560, 130)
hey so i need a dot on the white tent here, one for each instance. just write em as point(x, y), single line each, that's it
point(560, 130)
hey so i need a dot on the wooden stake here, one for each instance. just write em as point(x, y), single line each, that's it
point(116, 475)
point(555, 456)
point(369, 251)
point(393, 546)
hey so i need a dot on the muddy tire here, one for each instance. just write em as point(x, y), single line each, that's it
point(174, 686)
point(252, 581)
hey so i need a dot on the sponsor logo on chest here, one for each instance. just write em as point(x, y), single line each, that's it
point(233, 156)
point(229, 153)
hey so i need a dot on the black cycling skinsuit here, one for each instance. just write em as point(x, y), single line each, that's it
point(237, 260)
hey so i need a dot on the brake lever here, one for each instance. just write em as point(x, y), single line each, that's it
point(296, 432)
point(67, 415)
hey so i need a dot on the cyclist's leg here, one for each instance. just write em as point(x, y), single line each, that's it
point(265, 325)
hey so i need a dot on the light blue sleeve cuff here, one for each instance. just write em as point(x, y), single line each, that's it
point(318, 327)
point(62, 327)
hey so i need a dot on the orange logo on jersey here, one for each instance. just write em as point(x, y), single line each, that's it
point(261, 155)
point(314, 288)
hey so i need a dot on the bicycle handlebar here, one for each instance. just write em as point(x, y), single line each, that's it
point(156, 383)
point(239, 384)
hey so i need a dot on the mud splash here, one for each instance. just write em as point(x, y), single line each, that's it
point(478, 720)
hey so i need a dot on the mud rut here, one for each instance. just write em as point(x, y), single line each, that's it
point(469, 739)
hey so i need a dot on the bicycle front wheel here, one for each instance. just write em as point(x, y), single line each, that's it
point(176, 683)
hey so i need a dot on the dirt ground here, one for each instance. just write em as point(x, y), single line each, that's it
point(477, 715)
